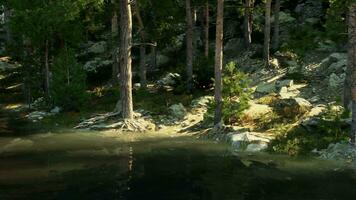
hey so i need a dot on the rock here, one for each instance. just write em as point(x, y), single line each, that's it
point(241, 141)
point(256, 147)
point(137, 86)
point(339, 151)
point(169, 79)
point(335, 57)
point(37, 115)
point(56, 110)
point(336, 81)
point(257, 110)
point(285, 83)
point(292, 107)
point(266, 88)
point(286, 93)
point(338, 66)
point(202, 101)
point(177, 111)
point(6, 66)
point(97, 48)
point(274, 63)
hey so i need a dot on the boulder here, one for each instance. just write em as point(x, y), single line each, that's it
point(339, 151)
point(257, 110)
point(169, 79)
point(177, 111)
point(248, 141)
point(292, 107)
point(335, 81)
point(266, 88)
point(285, 93)
point(285, 83)
point(56, 110)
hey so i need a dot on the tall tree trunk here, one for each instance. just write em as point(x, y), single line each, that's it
point(352, 49)
point(219, 61)
point(277, 8)
point(206, 30)
point(47, 73)
point(125, 59)
point(114, 35)
point(350, 64)
point(143, 78)
point(154, 57)
point(189, 67)
point(248, 22)
point(267, 40)
point(7, 15)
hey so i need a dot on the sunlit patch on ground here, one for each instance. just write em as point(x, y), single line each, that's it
point(14, 86)
point(12, 106)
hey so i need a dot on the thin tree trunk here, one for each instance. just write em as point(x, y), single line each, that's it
point(352, 49)
point(248, 22)
point(266, 52)
point(114, 35)
point(7, 15)
point(47, 74)
point(219, 61)
point(189, 67)
point(143, 70)
point(154, 57)
point(125, 59)
point(206, 30)
point(277, 8)
point(350, 64)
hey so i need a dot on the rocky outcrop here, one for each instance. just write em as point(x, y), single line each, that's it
point(177, 111)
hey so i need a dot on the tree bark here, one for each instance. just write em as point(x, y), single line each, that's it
point(219, 61)
point(248, 22)
point(277, 8)
point(114, 35)
point(348, 79)
point(47, 73)
point(352, 50)
point(266, 52)
point(125, 59)
point(189, 35)
point(7, 15)
point(206, 30)
point(142, 69)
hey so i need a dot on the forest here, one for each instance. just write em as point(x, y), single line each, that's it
point(178, 99)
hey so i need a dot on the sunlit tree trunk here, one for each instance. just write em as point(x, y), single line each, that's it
point(352, 50)
point(125, 59)
point(189, 35)
point(142, 69)
point(277, 8)
point(266, 52)
point(206, 30)
point(219, 61)
point(248, 22)
point(114, 35)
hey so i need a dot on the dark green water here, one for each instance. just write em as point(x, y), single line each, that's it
point(92, 166)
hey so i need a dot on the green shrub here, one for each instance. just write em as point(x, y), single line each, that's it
point(300, 141)
point(236, 95)
point(69, 82)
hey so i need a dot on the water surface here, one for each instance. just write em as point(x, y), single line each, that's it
point(79, 165)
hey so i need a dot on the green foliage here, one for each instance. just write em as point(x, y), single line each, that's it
point(204, 70)
point(68, 87)
point(303, 39)
point(336, 20)
point(236, 95)
point(330, 128)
